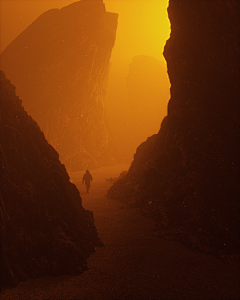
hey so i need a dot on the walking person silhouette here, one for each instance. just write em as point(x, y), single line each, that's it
point(87, 177)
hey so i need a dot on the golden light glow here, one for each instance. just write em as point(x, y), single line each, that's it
point(143, 28)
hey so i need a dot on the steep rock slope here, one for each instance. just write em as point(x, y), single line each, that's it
point(60, 66)
point(186, 177)
point(43, 226)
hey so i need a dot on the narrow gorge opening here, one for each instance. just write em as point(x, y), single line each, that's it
point(138, 85)
point(182, 181)
point(138, 88)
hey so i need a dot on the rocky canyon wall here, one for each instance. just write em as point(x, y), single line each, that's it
point(186, 177)
point(43, 226)
point(60, 66)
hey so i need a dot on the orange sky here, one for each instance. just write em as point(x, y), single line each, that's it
point(143, 28)
point(148, 17)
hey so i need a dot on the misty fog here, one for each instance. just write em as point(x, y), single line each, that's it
point(140, 32)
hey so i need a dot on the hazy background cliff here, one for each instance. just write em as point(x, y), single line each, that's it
point(60, 67)
point(142, 30)
point(186, 177)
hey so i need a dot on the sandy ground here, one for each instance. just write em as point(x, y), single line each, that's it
point(134, 264)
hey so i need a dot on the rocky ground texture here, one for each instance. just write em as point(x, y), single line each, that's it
point(135, 264)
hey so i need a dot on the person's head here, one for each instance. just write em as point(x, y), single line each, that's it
point(87, 171)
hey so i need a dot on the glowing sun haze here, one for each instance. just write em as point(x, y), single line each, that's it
point(143, 28)
point(143, 23)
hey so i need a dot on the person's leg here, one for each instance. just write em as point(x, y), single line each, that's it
point(87, 186)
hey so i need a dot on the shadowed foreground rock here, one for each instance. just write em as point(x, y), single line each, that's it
point(59, 66)
point(186, 177)
point(43, 226)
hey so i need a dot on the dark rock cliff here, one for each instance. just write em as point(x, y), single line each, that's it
point(60, 66)
point(186, 177)
point(43, 226)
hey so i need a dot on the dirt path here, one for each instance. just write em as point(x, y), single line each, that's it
point(134, 264)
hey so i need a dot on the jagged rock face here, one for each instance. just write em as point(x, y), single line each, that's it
point(187, 176)
point(147, 93)
point(43, 226)
point(60, 66)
